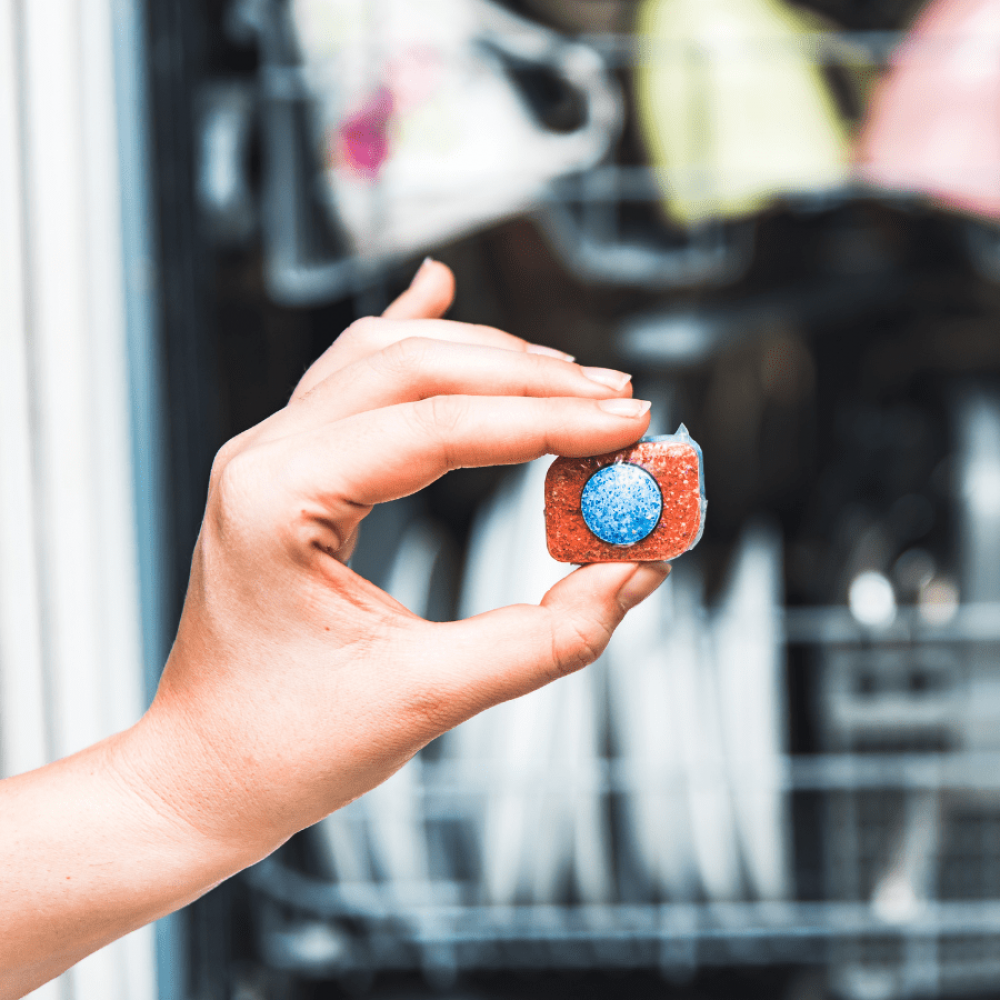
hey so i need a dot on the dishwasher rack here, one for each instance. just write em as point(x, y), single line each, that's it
point(588, 218)
point(307, 263)
point(851, 811)
point(585, 217)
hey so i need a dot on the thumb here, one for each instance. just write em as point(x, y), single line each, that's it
point(502, 654)
point(429, 296)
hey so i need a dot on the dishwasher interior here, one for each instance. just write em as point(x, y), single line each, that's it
point(783, 776)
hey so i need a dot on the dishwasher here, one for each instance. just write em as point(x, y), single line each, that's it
point(783, 776)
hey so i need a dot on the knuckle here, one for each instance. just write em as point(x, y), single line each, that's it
point(441, 415)
point(234, 507)
point(577, 644)
point(363, 332)
point(223, 457)
point(408, 357)
point(232, 487)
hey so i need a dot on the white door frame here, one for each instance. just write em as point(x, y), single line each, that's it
point(76, 385)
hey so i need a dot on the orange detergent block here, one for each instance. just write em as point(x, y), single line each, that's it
point(643, 503)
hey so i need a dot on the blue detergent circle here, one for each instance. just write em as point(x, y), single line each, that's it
point(621, 503)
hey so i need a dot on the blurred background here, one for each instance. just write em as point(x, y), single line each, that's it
point(783, 778)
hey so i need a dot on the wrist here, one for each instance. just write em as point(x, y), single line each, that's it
point(182, 781)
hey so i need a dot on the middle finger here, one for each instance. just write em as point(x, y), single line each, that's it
point(369, 335)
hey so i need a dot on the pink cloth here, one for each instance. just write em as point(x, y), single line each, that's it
point(362, 141)
point(934, 122)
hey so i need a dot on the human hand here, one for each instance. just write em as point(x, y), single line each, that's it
point(295, 685)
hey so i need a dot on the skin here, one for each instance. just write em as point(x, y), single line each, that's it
point(294, 685)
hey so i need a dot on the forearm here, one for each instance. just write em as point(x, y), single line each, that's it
point(86, 857)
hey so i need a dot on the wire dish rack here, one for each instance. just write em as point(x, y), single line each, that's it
point(603, 222)
point(895, 881)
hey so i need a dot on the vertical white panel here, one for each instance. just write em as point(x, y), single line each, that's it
point(64, 368)
point(23, 729)
point(63, 363)
point(121, 643)
point(127, 966)
point(22, 715)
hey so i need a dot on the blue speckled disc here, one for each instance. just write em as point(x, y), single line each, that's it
point(621, 503)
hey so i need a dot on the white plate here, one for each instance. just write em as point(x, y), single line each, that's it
point(749, 651)
point(640, 664)
point(700, 728)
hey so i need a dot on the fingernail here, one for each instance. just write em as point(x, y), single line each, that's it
point(549, 352)
point(624, 407)
point(642, 583)
point(608, 376)
point(424, 265)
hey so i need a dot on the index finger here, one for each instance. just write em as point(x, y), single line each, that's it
point(352, 464)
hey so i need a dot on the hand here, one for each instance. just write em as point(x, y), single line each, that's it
point(295, 685)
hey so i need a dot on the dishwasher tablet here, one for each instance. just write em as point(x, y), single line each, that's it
point(643, 503)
